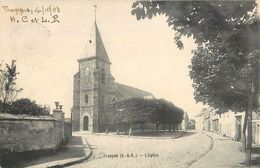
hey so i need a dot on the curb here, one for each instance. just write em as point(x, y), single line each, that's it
point(183, 133)
point(211, 147)
point(87, 155)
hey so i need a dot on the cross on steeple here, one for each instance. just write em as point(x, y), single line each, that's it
point(95, 6)
point(94, 46)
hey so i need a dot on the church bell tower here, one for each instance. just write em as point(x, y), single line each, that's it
point(93, 85)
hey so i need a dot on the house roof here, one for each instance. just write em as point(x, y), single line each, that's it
point(205, 112)
point(125, 92)
point(200, 114)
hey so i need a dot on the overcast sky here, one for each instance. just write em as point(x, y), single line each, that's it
point(143, 53)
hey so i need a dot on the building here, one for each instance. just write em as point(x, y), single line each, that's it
point(192, 124)
point(229, 124)
point(95, 90)
point(199, 122)
point(207, 118)
point(185, 124)
point(203, 120)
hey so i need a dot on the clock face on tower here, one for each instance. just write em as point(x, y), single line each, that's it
point(86, 78)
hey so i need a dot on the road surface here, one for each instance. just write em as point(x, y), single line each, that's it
point(125, 152)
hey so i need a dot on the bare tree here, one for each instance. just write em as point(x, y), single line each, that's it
point(8, 88)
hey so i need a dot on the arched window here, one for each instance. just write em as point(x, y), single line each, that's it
point(102, 100)
point(113, 102)
point(86, 98)
point(103, 75)
point(101, 106)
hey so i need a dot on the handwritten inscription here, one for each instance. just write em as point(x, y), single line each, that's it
point(39, 14)
point(131, 155)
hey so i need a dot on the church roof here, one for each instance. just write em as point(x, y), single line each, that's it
point(125, 92)
point(94, 47)
point(76, 75)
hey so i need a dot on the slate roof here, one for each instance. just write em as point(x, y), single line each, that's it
point(205, 112)
point(125, 92)
point(76, 75)
point(95, 47)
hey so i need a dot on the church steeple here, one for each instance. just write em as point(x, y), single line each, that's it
point(95, 46)
point(95, 6)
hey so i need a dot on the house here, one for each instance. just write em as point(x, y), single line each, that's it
point(203, 120)
point(229, 124)
point(185, 124)
point(192, 124)
point(199, 121)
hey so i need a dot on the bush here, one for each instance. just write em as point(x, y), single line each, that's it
point(25, 106)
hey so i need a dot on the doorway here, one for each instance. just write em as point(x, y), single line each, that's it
point(85, 123)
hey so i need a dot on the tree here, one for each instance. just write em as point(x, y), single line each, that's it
point(134, 111)
point(8, 89)
point(166, 112)
point(140, 110)
point(225, 83)
point(27, 106)
point(225, 65)
point(111, 117)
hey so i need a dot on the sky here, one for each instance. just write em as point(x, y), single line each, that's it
point(143, 53)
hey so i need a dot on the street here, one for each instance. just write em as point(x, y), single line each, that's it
point(113, 151)
point(193, 149)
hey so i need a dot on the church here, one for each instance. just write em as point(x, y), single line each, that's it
point(95, 91)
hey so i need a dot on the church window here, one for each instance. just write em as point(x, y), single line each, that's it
point(86, 98)
point(102, 100)
point(102, 104)
point(113, 102)
point(103, 75)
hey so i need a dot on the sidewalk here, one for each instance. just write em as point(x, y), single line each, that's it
point(75, 151)
point(224, 154)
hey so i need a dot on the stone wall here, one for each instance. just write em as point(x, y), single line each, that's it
point(24, 133)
